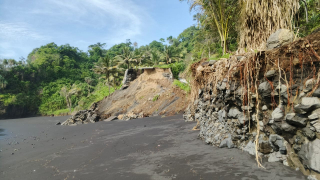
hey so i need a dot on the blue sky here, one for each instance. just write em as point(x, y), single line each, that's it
point(28, 24)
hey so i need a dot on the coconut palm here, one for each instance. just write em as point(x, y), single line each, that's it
point(126, 57)
point(155, 57)
point(170, 54)
point(107, 67)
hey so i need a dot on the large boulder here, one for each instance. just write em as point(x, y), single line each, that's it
point(310, 155)
point(279, 38)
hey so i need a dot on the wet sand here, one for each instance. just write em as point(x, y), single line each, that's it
point(150, 148)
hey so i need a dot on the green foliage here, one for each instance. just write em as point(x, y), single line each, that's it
point(176, 68)
point(182, 85)
point(156, 97)
point(100, 92)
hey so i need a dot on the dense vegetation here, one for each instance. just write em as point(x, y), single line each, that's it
point(59, 79)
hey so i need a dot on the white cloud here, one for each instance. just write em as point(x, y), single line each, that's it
point(18, 31)
point(119, 18)
point(80, 22)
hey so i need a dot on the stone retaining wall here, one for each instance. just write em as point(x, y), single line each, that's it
point(288, 133)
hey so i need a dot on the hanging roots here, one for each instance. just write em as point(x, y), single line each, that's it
point(289, 61)
point(262, 18)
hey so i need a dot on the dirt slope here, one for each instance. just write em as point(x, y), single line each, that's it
point(152, 93)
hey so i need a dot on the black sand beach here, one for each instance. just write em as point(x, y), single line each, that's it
point(150, 148)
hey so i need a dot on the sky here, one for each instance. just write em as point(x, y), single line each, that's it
point(28, 24)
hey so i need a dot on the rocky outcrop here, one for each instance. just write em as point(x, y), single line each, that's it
point(84, 117)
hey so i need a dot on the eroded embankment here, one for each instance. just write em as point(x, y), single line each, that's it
point(151, 94)
point(267, 101)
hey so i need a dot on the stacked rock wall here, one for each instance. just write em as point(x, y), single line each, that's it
point(284, 105)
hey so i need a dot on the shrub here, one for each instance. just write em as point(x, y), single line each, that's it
point(182, 85)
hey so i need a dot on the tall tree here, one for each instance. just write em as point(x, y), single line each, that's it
point(106, 67)
point(218, 13)
point(68, 92)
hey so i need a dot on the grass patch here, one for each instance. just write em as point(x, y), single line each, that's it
point(227, 56)
point(155, 98)
point(100, 92)
point(182, 85)
point(176, 68)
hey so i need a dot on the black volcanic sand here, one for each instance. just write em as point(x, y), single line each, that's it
point(150, 148)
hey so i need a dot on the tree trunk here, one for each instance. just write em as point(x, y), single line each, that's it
point(306, 10)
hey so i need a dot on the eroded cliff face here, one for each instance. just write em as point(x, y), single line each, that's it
point(268, 101)
point(150, 94)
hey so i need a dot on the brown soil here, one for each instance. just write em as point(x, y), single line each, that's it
point(141, 96)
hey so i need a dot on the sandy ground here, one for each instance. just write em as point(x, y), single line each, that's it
point(150, 148)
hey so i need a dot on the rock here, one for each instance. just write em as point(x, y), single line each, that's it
point(212, 62)
point(279, 38)
point(59, 123)
point(277, 114)
point(296, 120)
point(222, 85)
point(270, 73)
point(265, 89)
point(111, 118)
point(307, 104)
point(310, 83)
point(311, 101)
point(313, 116)
point(308, 133)
point(276, 157)
point(222, 114)
point(276, 126)
point(296, 147)
point(310, 155)
point(278, 143)
point(227, 143)
point(281, 90)
point(312, 177)
point(264, 108)
point(243, 119)
point(316, 125)
point(288, 128)
point(234, 113)
point(316, 93)
point(265, 147)
point(250, 148)
point(121, 116)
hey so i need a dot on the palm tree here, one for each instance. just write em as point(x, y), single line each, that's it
point(126, 57)
point(67, 93)
point(12, 62)
point(155, 56)
point(170, 54)
point(106, 67)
